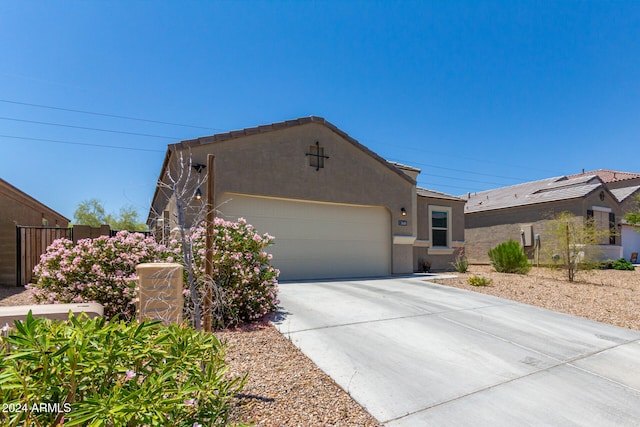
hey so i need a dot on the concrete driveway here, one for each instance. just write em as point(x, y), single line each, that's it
point(414, 353)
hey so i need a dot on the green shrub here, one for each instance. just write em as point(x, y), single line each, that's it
point(479, 281)
point(622, 264)
point(90, 372)
point(509, 257)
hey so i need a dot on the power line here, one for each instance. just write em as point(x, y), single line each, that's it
point(432, 187)
point(464, 179)
point(108, 115)
point(174, 138)
point(457, 156)
point(458, 170)
point(81, 143)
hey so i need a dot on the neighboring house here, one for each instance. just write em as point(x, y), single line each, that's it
point(626, 188)
point(520, 212)
point(18, 208)
point(336, 208)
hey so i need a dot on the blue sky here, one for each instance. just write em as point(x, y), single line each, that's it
point(477, 94)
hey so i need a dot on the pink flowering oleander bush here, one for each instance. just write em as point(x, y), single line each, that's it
point(245, 283)
point(101, 270)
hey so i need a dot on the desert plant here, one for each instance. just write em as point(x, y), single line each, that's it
point(92, 372)
point(103, 270)
point(622, 264)
point(479, 281)
point(509, 257)
point(99, 270)
point(246, 283)
point(572, 242)
point(461, 263)
point(633, 217)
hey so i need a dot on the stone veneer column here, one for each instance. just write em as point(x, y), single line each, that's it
point(159, 292)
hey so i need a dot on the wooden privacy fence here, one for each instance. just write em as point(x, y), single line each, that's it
point(31, 243)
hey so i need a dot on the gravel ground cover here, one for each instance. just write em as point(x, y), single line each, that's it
point(609, 296)
point(284, 388)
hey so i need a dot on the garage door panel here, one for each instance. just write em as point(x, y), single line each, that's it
point(318, 240)
point(293, 249)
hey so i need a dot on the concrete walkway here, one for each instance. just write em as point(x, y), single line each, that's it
point(414, 353)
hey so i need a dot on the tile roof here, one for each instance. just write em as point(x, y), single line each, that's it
point(624, 192)
point(607, 175)
point(530, 193)
point(424, 192)
point(406, 167)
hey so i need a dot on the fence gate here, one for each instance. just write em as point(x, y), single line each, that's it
point(31, 243)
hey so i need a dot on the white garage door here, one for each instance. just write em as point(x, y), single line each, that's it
point(317, 240)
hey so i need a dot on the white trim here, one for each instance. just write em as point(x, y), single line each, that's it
point(601, 209)
point(440, 251)
point(448, 210)
point(404, 240)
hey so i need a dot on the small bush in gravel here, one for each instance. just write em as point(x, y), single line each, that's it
point(101, 270)
point(98, 373)
point(622, 264)
point(479, 281)
point(461, 263)
point(509, 257)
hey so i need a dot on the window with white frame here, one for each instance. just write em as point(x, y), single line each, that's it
point(440, 226)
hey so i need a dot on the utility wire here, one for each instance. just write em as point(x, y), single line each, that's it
point(174, 138)
point(200, 127)
point(433, 187)
point(410, 162)
point(107, 115)
point(81, 143)
point(457, 156)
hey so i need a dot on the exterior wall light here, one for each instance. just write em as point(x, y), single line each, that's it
point(198, 167)
point(403, 212)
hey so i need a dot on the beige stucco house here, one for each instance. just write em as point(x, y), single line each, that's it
point(520, 212)
point(626, 187)
point(336, 208)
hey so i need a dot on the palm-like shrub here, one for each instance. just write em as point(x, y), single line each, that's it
point(509, 257)
point(93, 372)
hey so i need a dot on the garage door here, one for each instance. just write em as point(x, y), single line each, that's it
point(317, 240)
